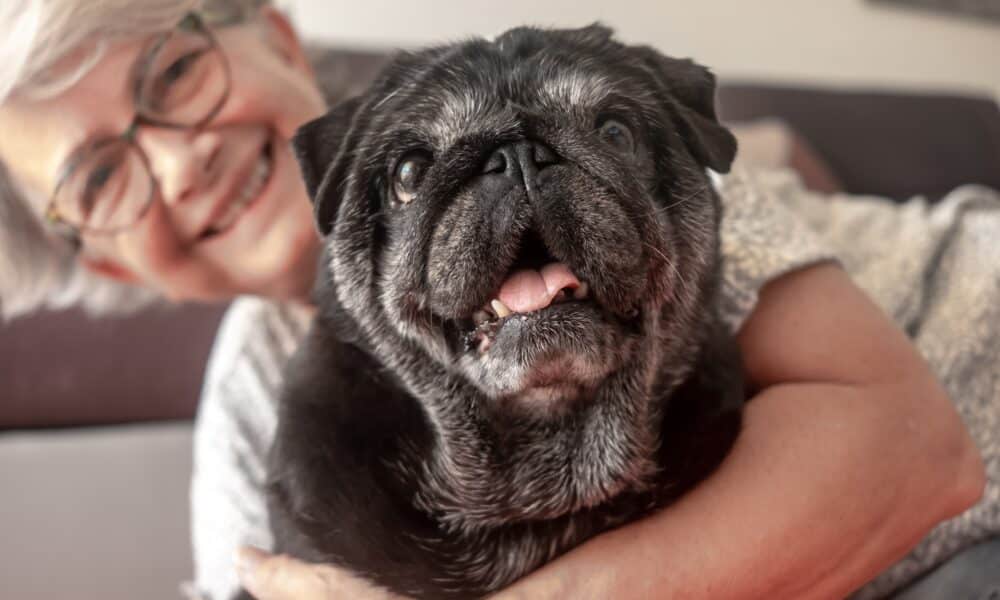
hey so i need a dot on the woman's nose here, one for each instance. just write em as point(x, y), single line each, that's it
point(184, 163)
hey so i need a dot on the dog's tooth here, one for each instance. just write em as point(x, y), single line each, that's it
point(500, 309)
point(480, 317)
point(581, 292)
point(484, 344)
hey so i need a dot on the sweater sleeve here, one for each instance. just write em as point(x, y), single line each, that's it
point(762, 237)
point(235, 424)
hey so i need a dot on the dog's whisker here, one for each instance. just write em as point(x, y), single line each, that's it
point(656, 251)
point(656, 211)
point(691, 196)
point(670, 264)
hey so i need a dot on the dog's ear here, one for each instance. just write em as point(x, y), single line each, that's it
point(693, 88)
point(316, 145)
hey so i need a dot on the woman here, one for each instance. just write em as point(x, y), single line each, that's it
point(145, 154)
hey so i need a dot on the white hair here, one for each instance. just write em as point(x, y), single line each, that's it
point(45, 47)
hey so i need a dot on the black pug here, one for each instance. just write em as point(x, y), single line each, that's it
point(518, 344)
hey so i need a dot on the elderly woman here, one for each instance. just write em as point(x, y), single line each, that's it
point(144, 153)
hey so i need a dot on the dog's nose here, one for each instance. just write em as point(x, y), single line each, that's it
point(521, 160)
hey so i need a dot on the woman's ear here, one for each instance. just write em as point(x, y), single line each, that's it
point(282, 37)
point(108, 268)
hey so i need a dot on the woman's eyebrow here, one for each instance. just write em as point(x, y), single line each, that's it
point(130, 89)
point(140, 65)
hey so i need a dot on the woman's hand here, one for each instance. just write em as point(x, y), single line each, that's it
point(280, 577)
point(850, 453)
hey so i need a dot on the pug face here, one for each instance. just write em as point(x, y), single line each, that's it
point(523, 233)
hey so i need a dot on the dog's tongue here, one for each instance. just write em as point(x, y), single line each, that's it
point(529, 290)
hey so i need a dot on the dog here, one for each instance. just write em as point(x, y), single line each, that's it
point(517, 345)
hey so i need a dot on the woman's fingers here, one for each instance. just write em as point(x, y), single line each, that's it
point(278, 577)
point(281, 577)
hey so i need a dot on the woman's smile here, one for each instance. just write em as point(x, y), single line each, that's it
point(242, 200)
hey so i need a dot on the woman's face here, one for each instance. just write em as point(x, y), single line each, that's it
point(215, 229)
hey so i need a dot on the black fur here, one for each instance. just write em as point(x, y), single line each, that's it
point(435, 469)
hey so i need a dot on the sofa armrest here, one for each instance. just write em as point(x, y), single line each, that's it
point(66, 369)
point(891, 144)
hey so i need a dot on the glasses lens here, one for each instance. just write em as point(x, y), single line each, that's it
point(186, 80)
point(108, 190)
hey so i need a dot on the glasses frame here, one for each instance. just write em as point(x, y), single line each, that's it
point(191, 23)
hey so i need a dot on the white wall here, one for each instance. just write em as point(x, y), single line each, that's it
point(824, 41)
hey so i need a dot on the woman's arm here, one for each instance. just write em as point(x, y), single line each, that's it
point(850, 453)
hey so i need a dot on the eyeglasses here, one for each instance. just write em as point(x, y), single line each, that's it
point(182, 81)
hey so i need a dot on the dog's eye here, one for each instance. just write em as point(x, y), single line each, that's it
point(617, 134)
point(409, 174)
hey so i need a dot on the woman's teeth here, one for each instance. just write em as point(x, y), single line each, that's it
point(253, 187)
